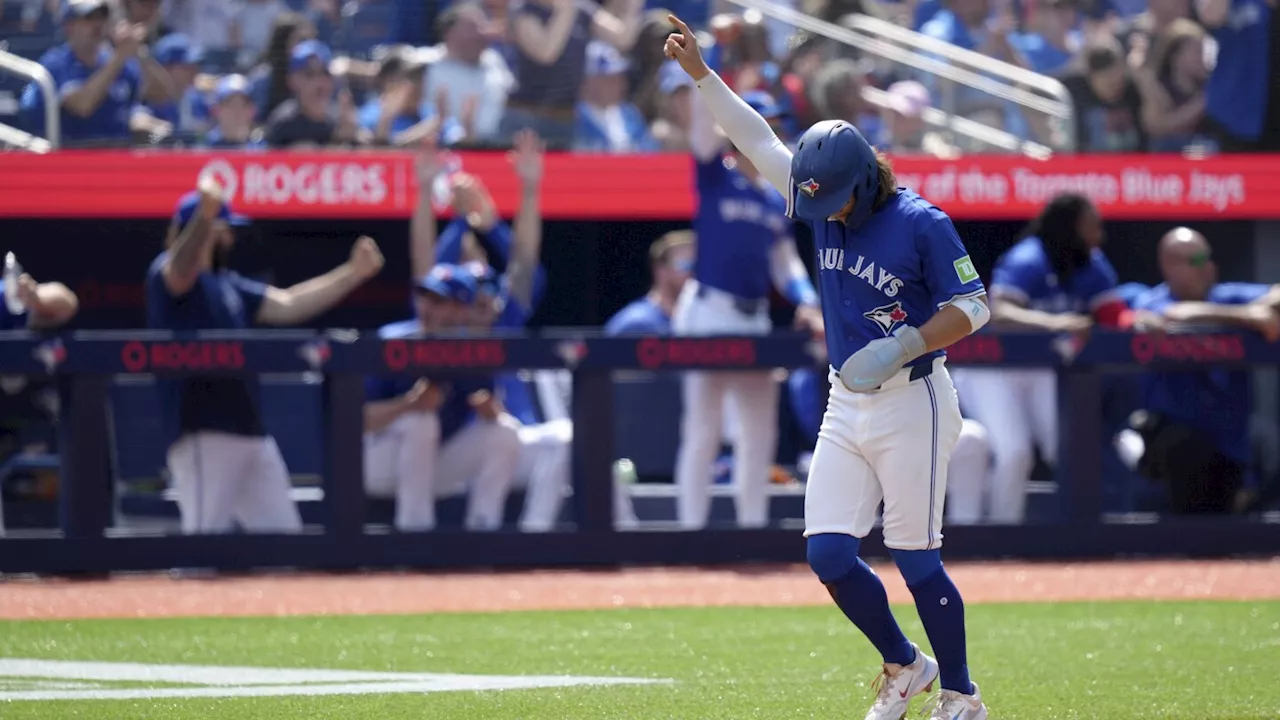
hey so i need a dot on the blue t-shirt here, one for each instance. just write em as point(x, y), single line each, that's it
point(639, 317)
point(737, 224)
point(221, 300)
point(1025, 275)
point(1214, 400)
point(898, 268)
point(451, 131)
point(456, 412)
point(1044, 58)
point(189, 116)
point(110, 120)
point(8, 320)
point(1236, 96)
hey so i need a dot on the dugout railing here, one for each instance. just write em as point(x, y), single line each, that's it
point(83, 364)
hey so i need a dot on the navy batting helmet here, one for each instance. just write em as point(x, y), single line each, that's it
point(832, 164)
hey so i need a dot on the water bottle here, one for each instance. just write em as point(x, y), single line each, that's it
point(12, 271)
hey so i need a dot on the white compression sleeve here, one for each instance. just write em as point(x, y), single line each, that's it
point(749, 132)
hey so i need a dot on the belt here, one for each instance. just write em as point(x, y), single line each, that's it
point(918, 372)
point(741, 304)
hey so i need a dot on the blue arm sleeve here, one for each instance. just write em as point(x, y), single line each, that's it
point(497, 242)
point(806, 406)
point(449, 245)
point(948, 272)
point(1238, 293)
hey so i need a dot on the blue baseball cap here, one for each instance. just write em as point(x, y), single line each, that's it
point(764, 104)
point(306, 51)
point(231, 85)
point(177, 49)
point(604, 59)
point(832, 164)
point(486, 278)
point(671, 77)
point(81, 8)
point(187, 209)
point(450, 282)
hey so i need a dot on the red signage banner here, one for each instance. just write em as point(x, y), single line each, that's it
point(354, 185)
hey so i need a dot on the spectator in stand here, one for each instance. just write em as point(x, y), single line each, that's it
point(1107, 101)
point(837, 94)
point(1137, 35)
point(1194, 431)
point(798, 74)
point(1172, 83)
point(904, 131)
point(647, 63)
point(234, 114)
point(156, 84)
point(400, 113)
point(671, 129)
point(270, 78)
point(309, 119)
point(180, 59)
point(606, 122)
point(146, 13)
point(367, 24)
point(551, 38)
point(98, 89)
point(1055, 40)
point(1243, 104)
point(251, 25)
point(671, 262)
point(207, 22)
point(972, 25)
point(468, 74)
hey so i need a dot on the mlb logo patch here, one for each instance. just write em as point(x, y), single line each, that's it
point(887, 317)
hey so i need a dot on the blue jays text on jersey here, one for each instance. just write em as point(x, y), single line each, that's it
point(1024, 274)
point(737, 223)
point(898, 268)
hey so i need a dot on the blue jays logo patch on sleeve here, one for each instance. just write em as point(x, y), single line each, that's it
point(887, 317)
point(808, 187)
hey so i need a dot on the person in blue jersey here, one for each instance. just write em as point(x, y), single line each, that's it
point(1242, 104)
point(97, 88)
point(1194, 427)
point(399, 114)
point(434, 437)
point(744, 250)
point(897, 288)
point(234, 116)
point(605, 121)
point(225, 468)
point(671, 260)
point(188, 116)
point(1055, 279)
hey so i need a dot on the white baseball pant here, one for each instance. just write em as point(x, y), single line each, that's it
point(967, 475)
point(891, 445)
point(406, 461)
point(545, 471)
point(754, 396)
point(1019, 409)
point(223, 480)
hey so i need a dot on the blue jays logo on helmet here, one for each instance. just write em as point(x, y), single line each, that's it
point(839, 165)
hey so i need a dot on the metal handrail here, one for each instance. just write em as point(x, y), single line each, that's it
point(36, 73)
point(985, 134)
point(13, 137)
point(928, 55)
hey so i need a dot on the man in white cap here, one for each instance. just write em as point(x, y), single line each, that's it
point(605, 120)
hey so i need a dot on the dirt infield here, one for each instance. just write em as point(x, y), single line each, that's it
point(161, 596)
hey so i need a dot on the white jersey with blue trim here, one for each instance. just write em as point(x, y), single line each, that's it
point(1025, 275)
point(898, 268)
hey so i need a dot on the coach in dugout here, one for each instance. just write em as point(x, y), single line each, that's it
point(671, 262)
point(1193, 432)
point(224, 466)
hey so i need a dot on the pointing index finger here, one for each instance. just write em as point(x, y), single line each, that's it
point(684, 29)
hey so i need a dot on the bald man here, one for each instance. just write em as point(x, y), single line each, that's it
point(1194, 434)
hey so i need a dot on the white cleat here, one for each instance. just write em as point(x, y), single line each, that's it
point(953, 705)
point(897, 684)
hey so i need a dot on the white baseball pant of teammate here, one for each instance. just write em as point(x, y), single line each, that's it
point(905, 470)
point(1019, 409)
point(406, 461)
point(754, 396)
point(224, 480)
point(546, 458)
point(967, 474)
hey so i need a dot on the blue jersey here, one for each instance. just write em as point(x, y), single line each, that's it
point(1214, 400)
point(737, 224)
point(456, 412)
point(639, 317)
point(898, 268)
point(221, 300)
point(1025, 275)
point(8, 320)
point(1236, 96)
point(110, 120)
point(189, 115)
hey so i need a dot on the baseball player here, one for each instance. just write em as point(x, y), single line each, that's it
point(744, 245)
point(897, 288)
point(433, 437)
point(1055, 279)
point(671, 263)
point(224, 466)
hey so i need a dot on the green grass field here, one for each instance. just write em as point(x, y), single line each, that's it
point(1035, 662)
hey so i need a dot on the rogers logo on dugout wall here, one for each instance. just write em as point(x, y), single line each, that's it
point(309, 183)
point(653, 353)
point(1194, 348)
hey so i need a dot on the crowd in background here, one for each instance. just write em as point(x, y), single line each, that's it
point(1161, 76)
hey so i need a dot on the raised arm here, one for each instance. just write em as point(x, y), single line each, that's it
point(422, 224)
point(526, 250)
point(749, 132)
point(186, 255)
point(307, 299)
point(49, 305)
point(704, 140)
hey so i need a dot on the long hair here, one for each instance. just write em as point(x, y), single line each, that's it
point(1056, 226)
point(888, 181)
point(276, 58)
